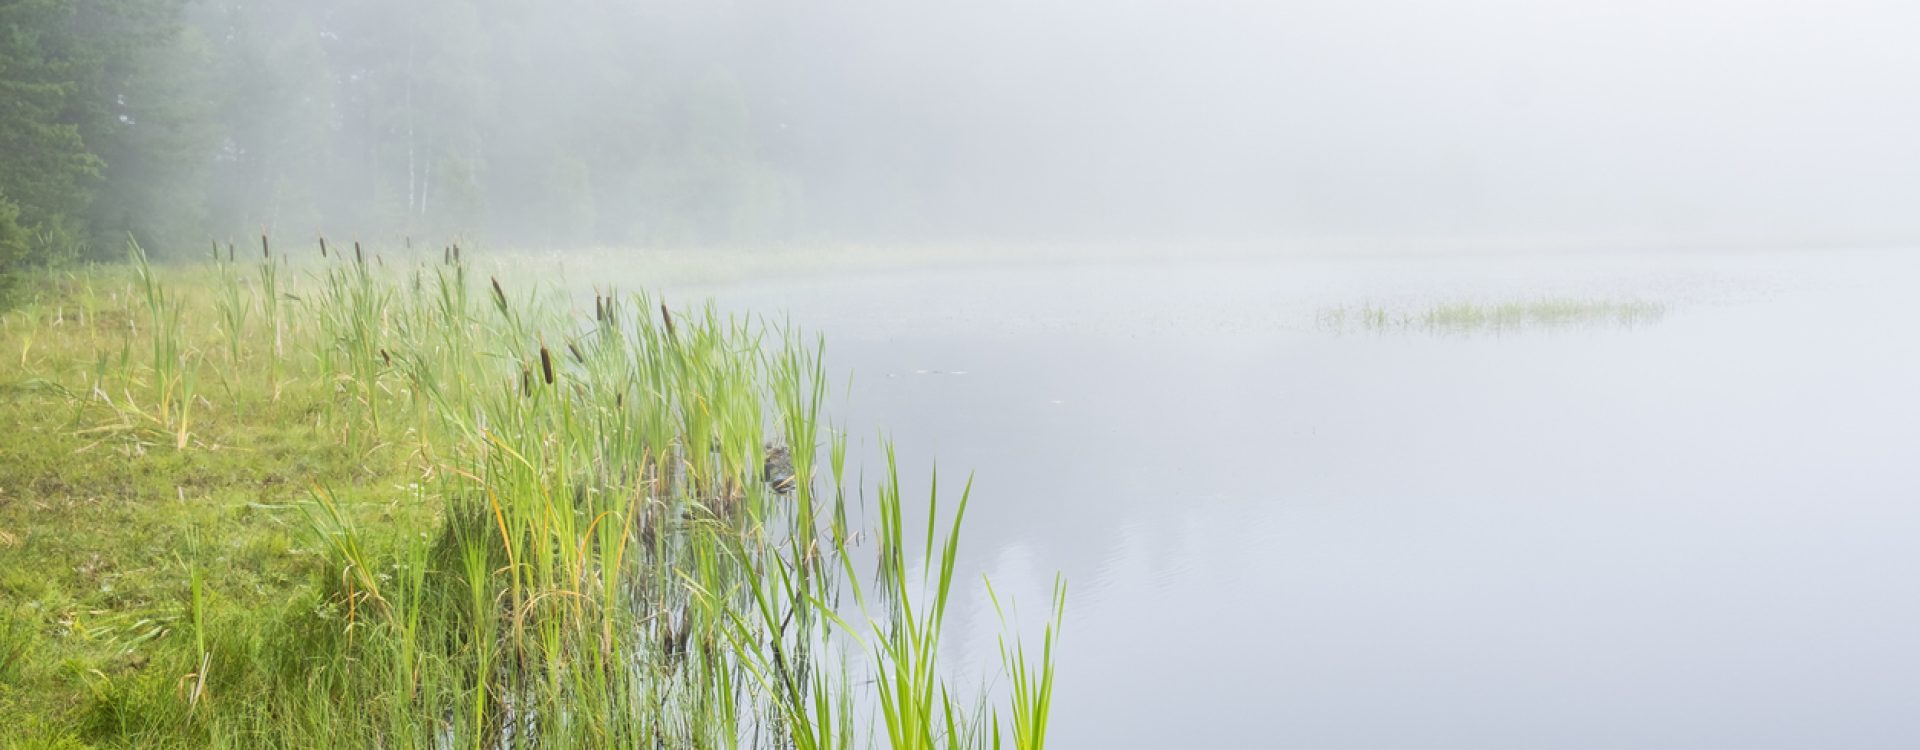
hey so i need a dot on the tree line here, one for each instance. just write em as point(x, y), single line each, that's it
point(566, 123)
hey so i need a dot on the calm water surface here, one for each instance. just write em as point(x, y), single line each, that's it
point(1703, 532)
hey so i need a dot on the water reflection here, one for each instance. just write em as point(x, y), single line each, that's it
point(1691, 534)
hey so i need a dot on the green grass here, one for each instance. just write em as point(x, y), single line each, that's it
point(326, 504)
point(1502, 317)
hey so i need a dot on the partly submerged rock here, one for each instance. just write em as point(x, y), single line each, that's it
point(778, 471)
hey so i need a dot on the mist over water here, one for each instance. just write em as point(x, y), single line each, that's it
point(1677, 533)
point(1520, 124)
point(1691, 121)
point(1378, 374)
point(1681, 534)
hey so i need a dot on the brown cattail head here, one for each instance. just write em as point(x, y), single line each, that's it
point(323, 247)
point(385, 358)
point(357, 256)
point(668, 318)
point(546, 363)
point(265, 252)
point(446, 256)
point(526, 381)
point(456, 252)
point(216, 251)
point(229, 252)
point(499, 295)
point(599, 309)
point(577, 356)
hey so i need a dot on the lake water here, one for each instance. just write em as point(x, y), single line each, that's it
point(1702, 531)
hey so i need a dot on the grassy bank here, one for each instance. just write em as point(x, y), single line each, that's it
point(331, 503)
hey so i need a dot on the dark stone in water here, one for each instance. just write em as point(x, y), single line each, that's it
point(778, 472)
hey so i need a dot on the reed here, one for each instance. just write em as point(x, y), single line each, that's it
point(230, 302)
point(270, 293)
point(173, 368)
point(605, 558)
point(1030, 682)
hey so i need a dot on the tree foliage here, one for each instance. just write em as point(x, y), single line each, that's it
point(535, 123)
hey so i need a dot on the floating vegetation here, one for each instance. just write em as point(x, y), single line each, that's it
point(1471, 317)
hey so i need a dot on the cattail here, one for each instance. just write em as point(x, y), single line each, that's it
point(446, 256)
point(456, 252)
point(577, 356)
point(216, 251)
point(323, 247)
point(379, 260)
point(229, 252)
point(385, 358)
point(357, 256)
point(264, 251)
point(409, 239)
point(546, 363)
point(499, 295)
point(526, 381)
point(599, 309)
point(668, 317)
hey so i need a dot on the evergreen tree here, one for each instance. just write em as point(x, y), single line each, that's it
point(46, 171)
